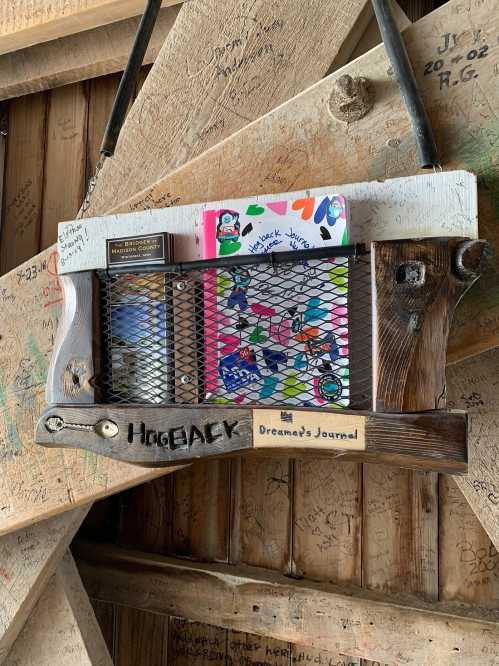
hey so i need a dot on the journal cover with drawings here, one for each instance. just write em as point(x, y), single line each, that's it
point(278, 344)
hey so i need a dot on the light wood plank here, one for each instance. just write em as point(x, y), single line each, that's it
point(28, 22)
point(28, 558)
point(79, 57)
point(346, 620)
point(62, 628)
point(473, 384)
point(245, 65)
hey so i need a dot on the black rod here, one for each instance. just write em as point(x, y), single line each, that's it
point(404, 73)
point(129, 78)
point(288, 256)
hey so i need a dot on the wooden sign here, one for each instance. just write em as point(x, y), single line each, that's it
point(168, 435)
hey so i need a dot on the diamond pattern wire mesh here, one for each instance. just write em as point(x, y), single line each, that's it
point(294, 333)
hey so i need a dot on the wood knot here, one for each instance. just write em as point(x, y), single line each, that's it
point(351, 98)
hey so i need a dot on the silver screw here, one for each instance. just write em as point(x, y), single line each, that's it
point(181, 285)
point(185, 379)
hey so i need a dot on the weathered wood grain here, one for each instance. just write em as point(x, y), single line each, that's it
point(28, 22)
point(252, 59)
point(172, 435)
point(28, 559)
point(79, 57)
point(62, 628)
point(64, 157)
point(416, 287)
point(468, 560)
point(23, 184)
point(472, 384)
point(346, 620)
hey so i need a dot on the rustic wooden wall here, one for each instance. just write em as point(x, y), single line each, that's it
point(381, 527)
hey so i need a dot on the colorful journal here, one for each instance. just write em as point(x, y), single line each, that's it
point(277, 334)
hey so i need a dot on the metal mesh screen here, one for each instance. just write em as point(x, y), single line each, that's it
point(295, 333)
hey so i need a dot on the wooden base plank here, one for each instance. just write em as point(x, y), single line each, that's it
point(62, 628)
point(349, 621)
point(29, 22)
point(156, 436)
point(79, 57)
point(245, 65)
point(28, 559)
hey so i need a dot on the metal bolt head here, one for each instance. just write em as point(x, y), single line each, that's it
point(54, 423)
point(181, 285)
point(185, 379)
point(106, 428)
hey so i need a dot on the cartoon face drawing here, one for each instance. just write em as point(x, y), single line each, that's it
point(334, 210)
point(228, 226)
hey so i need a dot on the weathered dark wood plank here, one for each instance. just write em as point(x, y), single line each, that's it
point(164, 435)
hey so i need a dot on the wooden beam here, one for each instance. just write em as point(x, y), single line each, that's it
point(62, 628)
point(175, 435)
point(78, 57)
point(28, 558)
point(241, 68)
point(257, 601)
point(29, 22)
point(472, 385)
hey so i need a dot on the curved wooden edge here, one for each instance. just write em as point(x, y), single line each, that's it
point(71, 368)
point(156, 436)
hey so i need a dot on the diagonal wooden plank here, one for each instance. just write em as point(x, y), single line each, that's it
point(62, 628)
point(472, 385)
point(27, 22)
point(253, 58)
point(28, 558)
point(79, 57)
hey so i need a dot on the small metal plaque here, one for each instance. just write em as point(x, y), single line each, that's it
point(137, 250)
point(317, 430)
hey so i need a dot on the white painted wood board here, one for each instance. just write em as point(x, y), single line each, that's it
point(432, 205)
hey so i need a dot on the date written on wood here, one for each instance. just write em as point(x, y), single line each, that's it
point(458, 58)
